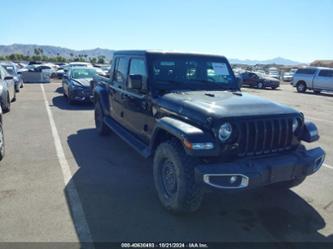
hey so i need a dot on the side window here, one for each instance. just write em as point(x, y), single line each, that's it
point(121, 68)
point(326, 73)
point(306, 71)
point(138, 67)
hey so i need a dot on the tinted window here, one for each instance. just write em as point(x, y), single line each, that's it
point(306, 71)
point(121, 68)
point(187, 71)
point(82, 73)
point(138, 67)
point(326, 73)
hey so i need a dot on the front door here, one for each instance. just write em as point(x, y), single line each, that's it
point(116, 89)
point(137, 104)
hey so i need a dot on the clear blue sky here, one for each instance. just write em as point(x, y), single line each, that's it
point(301, 30)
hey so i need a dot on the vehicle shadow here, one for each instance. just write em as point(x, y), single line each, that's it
point(61, 103)
point(59, 90)
point(116, 189)
point(326, 94)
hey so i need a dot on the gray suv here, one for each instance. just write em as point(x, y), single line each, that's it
point(316, 79)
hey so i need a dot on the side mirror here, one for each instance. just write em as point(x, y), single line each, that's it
point(135, 81)
point(8, 78)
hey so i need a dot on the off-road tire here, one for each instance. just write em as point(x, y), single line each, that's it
point(301, 87)
point(287, 184)
point(101, 127)
point(188, 194)
point(2, 143)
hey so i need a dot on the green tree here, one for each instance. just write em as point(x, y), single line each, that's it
point(101, 59)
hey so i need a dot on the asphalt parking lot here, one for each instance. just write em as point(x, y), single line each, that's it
point(60, 182)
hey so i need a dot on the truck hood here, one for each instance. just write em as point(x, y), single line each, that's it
point(220, 104)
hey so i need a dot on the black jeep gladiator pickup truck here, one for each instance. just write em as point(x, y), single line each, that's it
point(188, 113)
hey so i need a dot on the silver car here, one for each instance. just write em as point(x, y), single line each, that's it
point(7, 90)
point(12, 69)
point(316, 79)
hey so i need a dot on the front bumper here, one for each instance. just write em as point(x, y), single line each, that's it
point(256, 172)
point(81, 94)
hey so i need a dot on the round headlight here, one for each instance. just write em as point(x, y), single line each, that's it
point(225, 132)
point(295, 124)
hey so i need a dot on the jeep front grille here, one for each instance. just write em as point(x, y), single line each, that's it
point(264, 136)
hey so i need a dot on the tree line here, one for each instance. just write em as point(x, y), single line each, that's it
point(40, 56)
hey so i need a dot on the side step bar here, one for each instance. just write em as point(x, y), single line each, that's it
point(125, 135)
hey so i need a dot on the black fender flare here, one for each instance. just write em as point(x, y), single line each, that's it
point(185, 132)
point(101, 96)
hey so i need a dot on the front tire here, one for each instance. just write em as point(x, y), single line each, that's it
point(174, 178)
point(6, 104)
point(101, 127)
point(2, 143)
point(301, 87)
point(70, 100)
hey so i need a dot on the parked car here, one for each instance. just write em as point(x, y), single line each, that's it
point(186, 111)
point(7, 90)
point(274, 74)
point(288, 76)
point(259, 80)
point(76, 84)
point(316, 79)
point(12, 69)
point(2, 138)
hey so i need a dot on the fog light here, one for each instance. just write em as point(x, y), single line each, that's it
point(233, 179)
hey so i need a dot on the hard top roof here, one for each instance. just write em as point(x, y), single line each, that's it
point(145, 52)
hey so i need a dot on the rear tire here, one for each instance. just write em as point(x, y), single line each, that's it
point(101, 127)
point(174, 178)
point(301, 87)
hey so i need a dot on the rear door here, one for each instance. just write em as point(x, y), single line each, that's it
point(324, 80)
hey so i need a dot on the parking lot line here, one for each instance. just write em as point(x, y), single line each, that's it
point(81, 224)
point(328, 166)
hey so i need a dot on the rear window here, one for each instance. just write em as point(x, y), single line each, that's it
point(306, 71)
point(326, 73)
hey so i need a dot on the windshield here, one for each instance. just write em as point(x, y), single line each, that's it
point(83, 73)
point(10, 69)
point(192, 72)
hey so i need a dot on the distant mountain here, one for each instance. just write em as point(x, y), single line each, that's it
point(27, 49)
point(277, 60)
